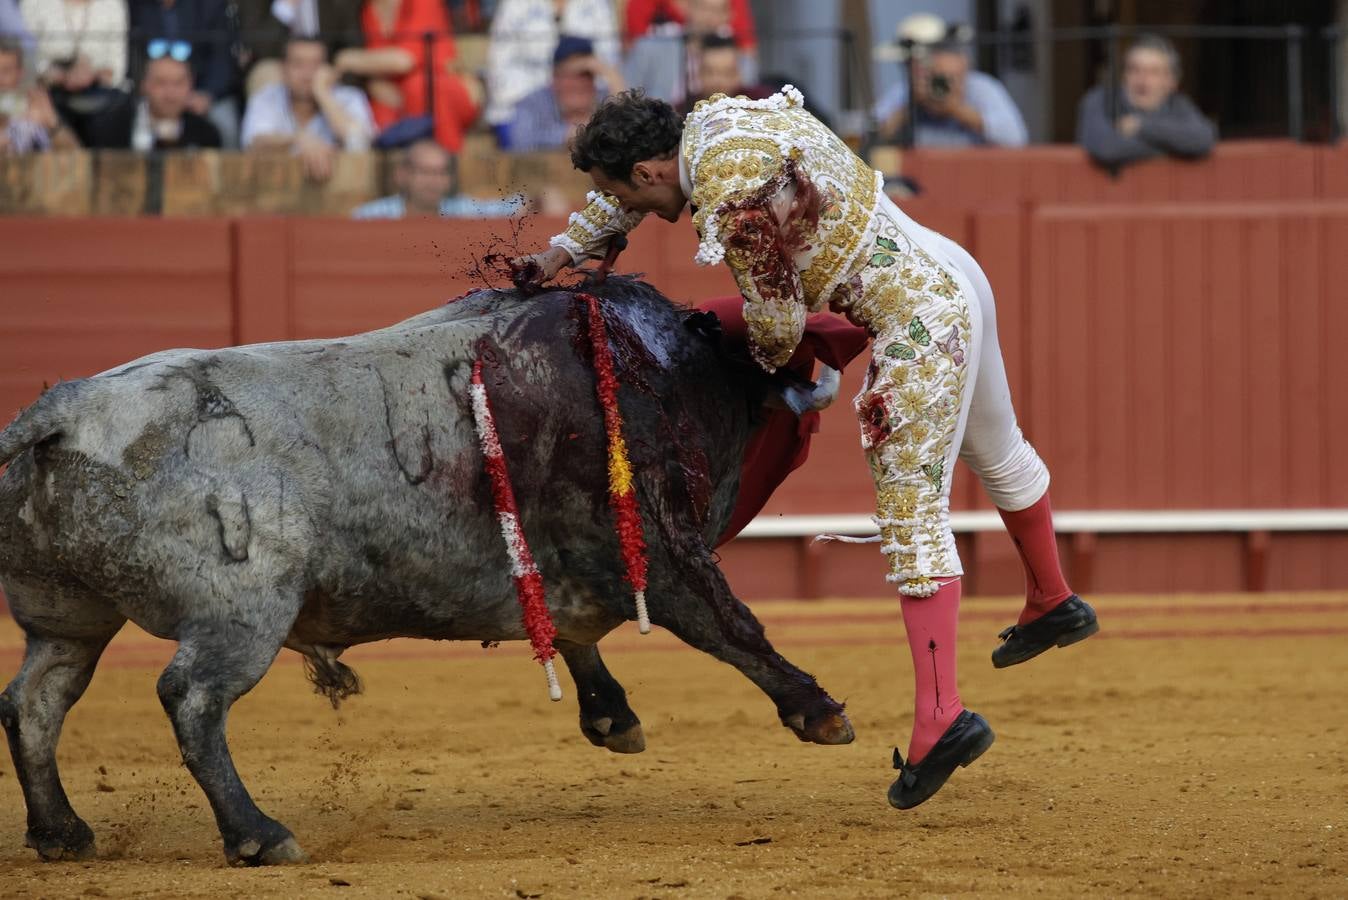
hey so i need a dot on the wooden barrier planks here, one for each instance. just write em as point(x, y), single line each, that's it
point(83, 295)
point(1205, 352)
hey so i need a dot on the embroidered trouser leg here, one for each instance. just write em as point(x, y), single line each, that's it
point(915, 401)
point(1010, 470)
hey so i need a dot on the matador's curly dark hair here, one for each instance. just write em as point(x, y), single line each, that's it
point(626, 129)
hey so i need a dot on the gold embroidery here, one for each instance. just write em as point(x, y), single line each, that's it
point(910, 406)
point(848, 183)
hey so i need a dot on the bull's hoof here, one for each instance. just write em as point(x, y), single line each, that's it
point(633, 740)
point(253, 852)
point(603, 732)
point(829, 728)
point(74, 842)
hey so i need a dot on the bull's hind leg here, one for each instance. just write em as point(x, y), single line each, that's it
point(217, 663)
point(56, 670)
point(605, 718)
point(694, 601)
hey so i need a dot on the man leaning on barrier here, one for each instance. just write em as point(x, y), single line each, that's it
point(427, 188)
point(308, 112)
point(161, 118)
point(1150, 117)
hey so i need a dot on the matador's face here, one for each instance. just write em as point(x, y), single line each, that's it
point(653, 188)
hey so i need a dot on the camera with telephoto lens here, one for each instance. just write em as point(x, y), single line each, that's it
point(938, 86)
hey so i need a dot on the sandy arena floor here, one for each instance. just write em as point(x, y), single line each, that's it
point(1196, 748)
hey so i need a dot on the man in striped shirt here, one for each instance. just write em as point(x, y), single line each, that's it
point(546, 119)
point(28, 121)
point(426, 188)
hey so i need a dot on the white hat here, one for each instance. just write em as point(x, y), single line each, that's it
point(923, 29)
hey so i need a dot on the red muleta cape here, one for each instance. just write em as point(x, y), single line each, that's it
point(782, 444)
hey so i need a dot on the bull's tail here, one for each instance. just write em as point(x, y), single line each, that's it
point(45, 418)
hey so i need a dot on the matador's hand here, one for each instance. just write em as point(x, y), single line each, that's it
point(537, 268)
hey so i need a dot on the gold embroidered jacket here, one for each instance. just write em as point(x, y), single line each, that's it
point(737, 157)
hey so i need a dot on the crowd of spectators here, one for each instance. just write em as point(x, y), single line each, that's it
point(316, 78)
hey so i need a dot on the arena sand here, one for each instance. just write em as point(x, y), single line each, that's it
point(1196, 748)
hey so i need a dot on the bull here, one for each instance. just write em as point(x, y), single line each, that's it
point(316, 495)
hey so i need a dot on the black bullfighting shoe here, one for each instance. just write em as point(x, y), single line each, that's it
point(1070, 621)
point(967, 738)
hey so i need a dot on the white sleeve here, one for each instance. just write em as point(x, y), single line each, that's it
point(892, 100)
point(1003, 125)
point(603, 30)
point(261, 117)
point(34, 14)
point(357, 106)
point(109, 44)
point(510, 59)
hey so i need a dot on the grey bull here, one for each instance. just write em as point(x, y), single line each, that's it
point(320, 494)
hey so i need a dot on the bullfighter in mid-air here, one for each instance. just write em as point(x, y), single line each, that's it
point(805, 224)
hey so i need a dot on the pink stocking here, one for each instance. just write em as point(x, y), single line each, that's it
point(1032, 531)
point(932, 623)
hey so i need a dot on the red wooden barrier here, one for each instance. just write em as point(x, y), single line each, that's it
point(1193, 356)
point(1332, 171)
point(1246, 170)
point(81, 295)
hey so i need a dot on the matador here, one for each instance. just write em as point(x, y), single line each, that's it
point(804, 224)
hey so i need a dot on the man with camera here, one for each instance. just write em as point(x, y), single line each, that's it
point(954, 107)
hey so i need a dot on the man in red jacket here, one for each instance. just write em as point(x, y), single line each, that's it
point(700, 16)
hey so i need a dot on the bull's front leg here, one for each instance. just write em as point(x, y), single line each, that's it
point(692, 599)
point(605, 718)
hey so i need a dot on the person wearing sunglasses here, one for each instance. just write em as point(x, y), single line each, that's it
point(198, 33)
point(161, 119)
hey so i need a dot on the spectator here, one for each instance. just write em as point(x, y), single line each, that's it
point(665, 62)
point(200, 33)
point(645, 16)
point(426, 187)
point(28, 121)
point(718, 72)
point(955, 107)
point(1150, 118)
point(524, 34)
point(13, 27)
point(81, 44)
point(308, 112)
point(162, 119)
point(546, 119)
point(266, 25)
point(396, 61)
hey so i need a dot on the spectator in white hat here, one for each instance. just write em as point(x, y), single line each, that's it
point(954, 106)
